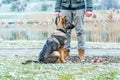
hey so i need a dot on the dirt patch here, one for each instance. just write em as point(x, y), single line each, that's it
point(94, 59)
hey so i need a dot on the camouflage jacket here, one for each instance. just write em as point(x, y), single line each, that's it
point(73, 5)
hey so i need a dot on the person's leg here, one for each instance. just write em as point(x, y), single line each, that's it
point(79, 23)
point(68, 14)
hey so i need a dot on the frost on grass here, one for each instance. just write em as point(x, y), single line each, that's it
point(12, 69)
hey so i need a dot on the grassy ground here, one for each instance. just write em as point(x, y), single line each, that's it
point(39, 44)
point(12, 69)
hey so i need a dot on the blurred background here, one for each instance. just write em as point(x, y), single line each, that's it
point(34, 20)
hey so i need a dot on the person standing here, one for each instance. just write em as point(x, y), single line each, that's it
point(75, 10)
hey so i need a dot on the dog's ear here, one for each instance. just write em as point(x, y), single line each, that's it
point(65, 17)
point(61, 22)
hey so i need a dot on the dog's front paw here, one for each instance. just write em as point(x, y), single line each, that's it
point(63, 61)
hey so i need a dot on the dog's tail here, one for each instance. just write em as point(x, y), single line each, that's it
point(30, 61)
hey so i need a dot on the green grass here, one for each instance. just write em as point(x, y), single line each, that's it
point(12, 69)
point(107, 76)
point(67, 77)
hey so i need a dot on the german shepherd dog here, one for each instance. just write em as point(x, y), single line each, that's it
point(53, 49)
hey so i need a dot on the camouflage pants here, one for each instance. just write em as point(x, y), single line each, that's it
point(76, 16)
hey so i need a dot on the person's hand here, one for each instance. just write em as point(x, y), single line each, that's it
point(57, 14)
point(88, 14)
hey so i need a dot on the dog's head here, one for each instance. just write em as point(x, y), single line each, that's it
point(64, 24)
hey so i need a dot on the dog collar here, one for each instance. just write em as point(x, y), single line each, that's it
point(60, 33)
point(61, 30)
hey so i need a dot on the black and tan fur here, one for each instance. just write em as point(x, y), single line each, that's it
point(53, 49)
